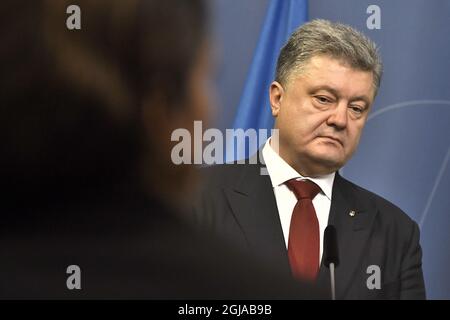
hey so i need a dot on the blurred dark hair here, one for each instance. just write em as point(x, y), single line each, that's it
point(70, 100)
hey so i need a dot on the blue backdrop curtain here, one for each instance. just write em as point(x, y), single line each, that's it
point(253, 111)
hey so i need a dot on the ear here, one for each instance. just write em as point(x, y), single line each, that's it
point(276, 93)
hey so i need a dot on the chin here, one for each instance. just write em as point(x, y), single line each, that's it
point(329, 162)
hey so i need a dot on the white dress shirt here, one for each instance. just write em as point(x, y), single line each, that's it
point(280, 172)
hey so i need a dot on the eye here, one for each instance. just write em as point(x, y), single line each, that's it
point(356, 109)
point(322, 99)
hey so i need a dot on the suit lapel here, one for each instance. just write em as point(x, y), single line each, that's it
point(253, 204)
point(353, 232)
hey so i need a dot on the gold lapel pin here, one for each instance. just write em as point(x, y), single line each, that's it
point(352, 213)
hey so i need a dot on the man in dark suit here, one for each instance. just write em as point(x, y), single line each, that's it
point(327, 78)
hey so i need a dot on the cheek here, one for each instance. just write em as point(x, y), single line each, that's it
point(316, 125)
point(303, 118)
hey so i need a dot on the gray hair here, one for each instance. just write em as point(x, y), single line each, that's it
point(322, 37)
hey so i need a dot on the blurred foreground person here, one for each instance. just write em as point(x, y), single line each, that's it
point(92, 206)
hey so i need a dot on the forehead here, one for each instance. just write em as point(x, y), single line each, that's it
point(331, 72)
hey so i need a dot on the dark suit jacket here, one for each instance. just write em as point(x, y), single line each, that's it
point(238, 203)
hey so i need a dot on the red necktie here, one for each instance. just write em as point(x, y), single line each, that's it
point(303, 245)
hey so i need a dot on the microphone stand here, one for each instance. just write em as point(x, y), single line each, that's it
point(333, 284)
point(331, 255)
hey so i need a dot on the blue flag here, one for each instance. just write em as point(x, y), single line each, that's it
point(253, 112)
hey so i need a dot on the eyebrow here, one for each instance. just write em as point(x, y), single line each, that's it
point(333, 91)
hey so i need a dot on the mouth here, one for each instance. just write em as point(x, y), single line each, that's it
point(334, 139)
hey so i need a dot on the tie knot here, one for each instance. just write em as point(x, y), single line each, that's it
point(303, 189)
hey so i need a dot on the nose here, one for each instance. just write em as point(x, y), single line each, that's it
point(338, 117)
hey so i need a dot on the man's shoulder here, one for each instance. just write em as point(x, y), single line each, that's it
point(228, 174)
point(387, 211)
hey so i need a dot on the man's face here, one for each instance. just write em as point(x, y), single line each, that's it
point(320, 114)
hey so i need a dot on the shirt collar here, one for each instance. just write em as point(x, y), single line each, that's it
point(280, 172)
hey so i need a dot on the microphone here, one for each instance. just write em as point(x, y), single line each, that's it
point(331, 255)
